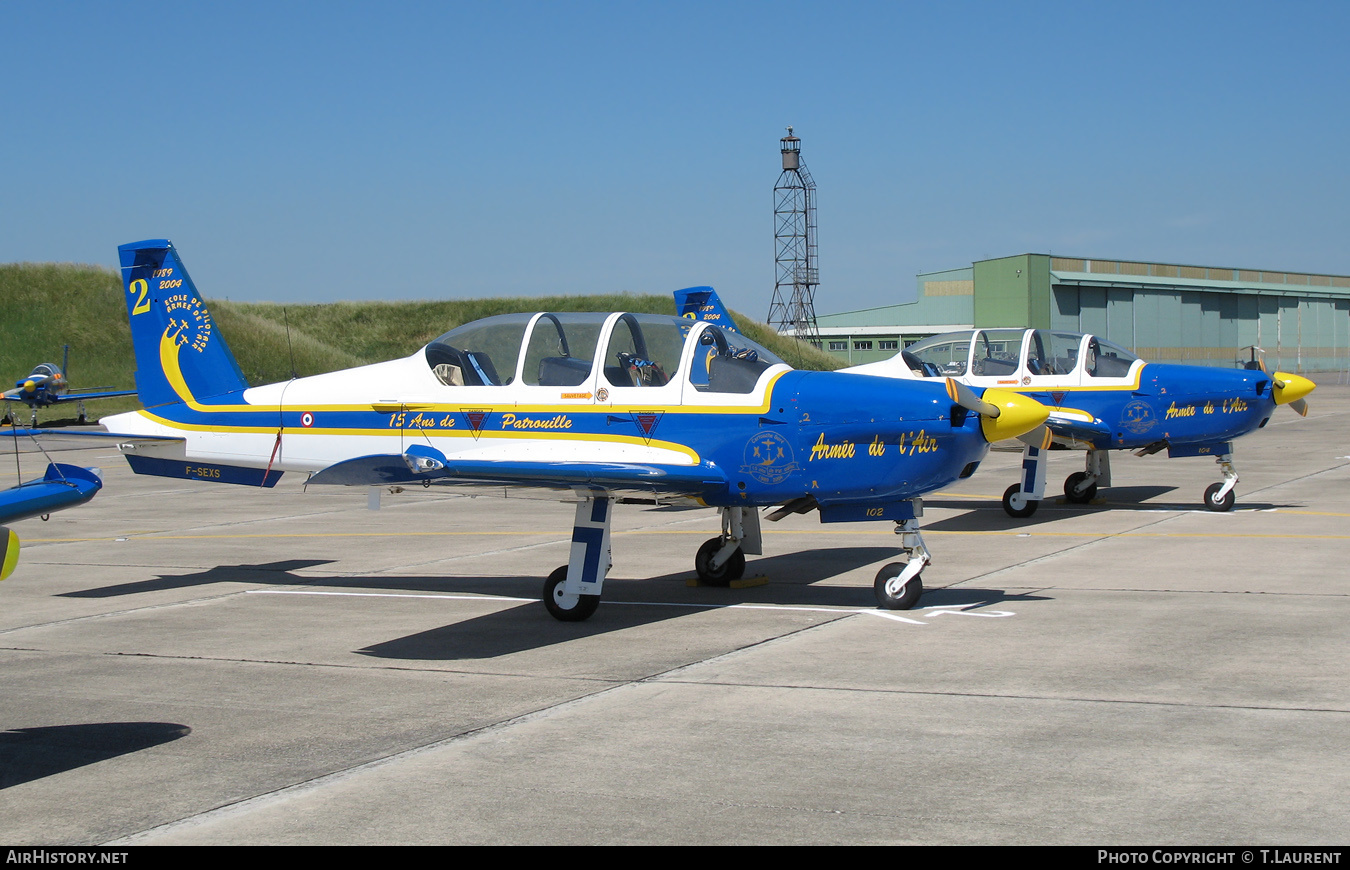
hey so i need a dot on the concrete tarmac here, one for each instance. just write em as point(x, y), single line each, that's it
point(192, 663)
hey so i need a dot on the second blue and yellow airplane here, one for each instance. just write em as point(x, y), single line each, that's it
point(1102, 398)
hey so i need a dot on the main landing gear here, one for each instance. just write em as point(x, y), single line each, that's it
point(722, 559)
point(1021, 499)
point(572, 592)
point(1017, 503)
point(899, 585)
point(1081, 486)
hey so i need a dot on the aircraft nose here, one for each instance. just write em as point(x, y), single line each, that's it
point(1003, 413)
point(1291, 388)
point(29, 385)
point(1017, 415)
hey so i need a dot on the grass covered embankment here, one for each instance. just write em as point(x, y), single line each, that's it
point(46, 305)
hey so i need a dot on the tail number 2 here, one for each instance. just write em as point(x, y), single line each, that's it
point(142, 303)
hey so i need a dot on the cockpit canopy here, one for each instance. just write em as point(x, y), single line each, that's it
point(564, 349)
point(1018, 353)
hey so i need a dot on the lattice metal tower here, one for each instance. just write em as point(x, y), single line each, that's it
point(794, 222)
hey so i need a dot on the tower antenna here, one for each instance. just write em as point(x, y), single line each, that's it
point(793, 309)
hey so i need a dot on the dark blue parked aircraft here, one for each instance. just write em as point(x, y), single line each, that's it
point(46, 385)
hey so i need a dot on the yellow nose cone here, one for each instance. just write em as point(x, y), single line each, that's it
point(1017, 414)
point(1295, 387)
point(29, 386)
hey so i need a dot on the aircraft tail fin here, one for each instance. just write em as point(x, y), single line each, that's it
point(180, 357)
point(702, 303)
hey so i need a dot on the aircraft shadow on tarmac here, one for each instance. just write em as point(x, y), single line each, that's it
point(27, 754)
point(271, 573)
point(634, 603)
point(989, 516)
point(527, 627)
point(795, 579)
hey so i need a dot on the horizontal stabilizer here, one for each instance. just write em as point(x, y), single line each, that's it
point(63, 486)
point(388, 469)
point(207, 471)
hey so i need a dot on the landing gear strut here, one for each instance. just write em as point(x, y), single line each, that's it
point(1220, 496)
point(1016, 504)
point(722, 559)
point(898, 585)
point(1081, 486)
point(572, 592)
point(1022, 498)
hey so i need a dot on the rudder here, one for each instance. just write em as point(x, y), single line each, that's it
point(179, 355)
point(702, 303)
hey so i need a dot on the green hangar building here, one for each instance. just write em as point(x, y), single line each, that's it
point(1164, 313)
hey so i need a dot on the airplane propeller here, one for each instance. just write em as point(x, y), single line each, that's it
point(1290, 390)
point(1004, 413)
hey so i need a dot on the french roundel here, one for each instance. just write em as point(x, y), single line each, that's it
point(307, 419)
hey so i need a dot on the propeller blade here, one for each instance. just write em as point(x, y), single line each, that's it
point(1003, 413)
point(966, 398)
point(1040, 437)
point(1300, 407)
point(9, 551)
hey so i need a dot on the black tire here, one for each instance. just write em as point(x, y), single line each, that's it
point(732, 569)
point(1071, 485)
point(1224, 504)
point(1028, 506)
point(909, 595)
point(578, 612)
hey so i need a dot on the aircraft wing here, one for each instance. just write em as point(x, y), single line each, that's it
point(78, 396)
point(1079, 426)
point(413, 467)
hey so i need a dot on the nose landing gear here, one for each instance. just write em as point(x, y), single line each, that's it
point(898, 585)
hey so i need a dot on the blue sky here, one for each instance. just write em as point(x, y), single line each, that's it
point(320, 151)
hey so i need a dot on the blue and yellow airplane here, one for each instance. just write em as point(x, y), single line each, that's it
point(1102, 398)
point(46, 385)
point(597, 409)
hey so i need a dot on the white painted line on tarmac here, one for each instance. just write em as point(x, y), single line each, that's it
point(884, 614)
point(383, 595)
